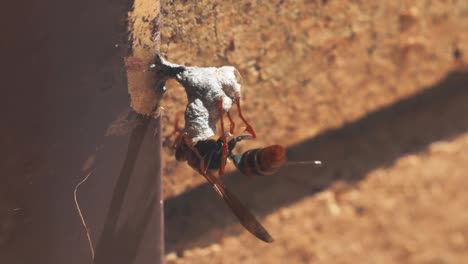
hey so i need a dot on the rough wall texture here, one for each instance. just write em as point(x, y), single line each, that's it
point(356, 84)
point(309, 66)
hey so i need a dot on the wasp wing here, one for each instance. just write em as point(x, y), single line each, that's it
point(243, 214)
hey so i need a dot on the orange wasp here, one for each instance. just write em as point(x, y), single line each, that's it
point(206, 156)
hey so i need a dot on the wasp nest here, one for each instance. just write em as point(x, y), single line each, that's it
point(205, 86)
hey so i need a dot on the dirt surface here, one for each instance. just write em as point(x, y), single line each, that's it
point(309, 66)
point(364, 87)
point(410, 212)
point(391, 190)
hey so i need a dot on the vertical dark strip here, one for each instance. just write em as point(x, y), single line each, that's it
point(64, 86)
point(159, 205)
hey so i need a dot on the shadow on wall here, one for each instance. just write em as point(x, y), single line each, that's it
point(349, 153)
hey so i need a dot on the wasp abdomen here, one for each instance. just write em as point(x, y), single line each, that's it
point(262, 161)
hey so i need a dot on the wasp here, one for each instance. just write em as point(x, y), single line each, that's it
point(183, 144)
point(207, 156)
point(210, 155)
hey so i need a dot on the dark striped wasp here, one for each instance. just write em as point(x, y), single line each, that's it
point(207, 156)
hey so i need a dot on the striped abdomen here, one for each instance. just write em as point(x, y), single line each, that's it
point(262, 161)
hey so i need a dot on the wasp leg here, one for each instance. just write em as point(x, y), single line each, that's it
point(199, 156)
point(248, 126)
point(177, 120)
point(177, 129)
point(225, 146)
point(232, 125)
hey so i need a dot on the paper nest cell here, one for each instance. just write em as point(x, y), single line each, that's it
point(205, 86)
